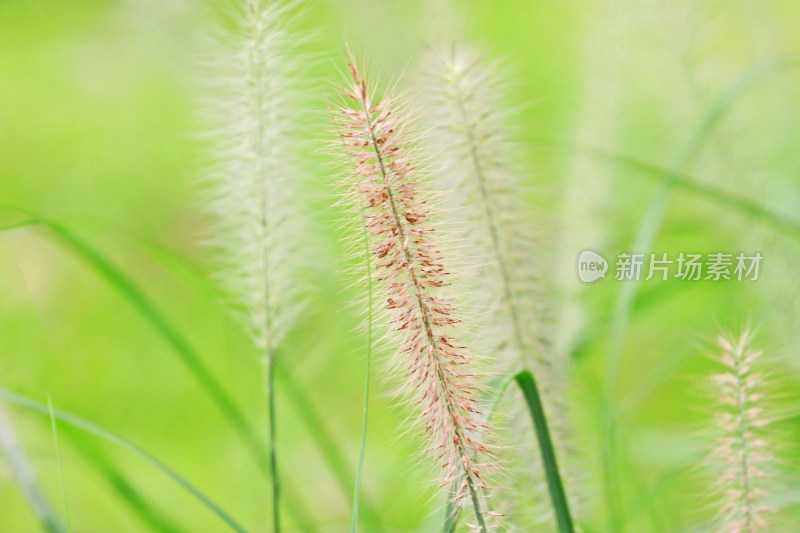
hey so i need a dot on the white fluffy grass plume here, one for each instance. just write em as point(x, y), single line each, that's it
point(742, 451)
point(478, 165)
point(253, 114)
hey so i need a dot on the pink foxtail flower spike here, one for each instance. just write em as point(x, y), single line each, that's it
point(440, 376)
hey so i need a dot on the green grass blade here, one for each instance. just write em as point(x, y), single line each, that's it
point(309, 414)
point(158, 321)
point(363, 446)
point(297, 510)
point(272, 424)
point(690, 184)
point(26, 479)
point(58, 460)
point(232, 413)
point(557, 495)
point(16, 225)
point(330, 451)
point(154, 519)
point(136, 297)
point(781, 223)
point(89, 427)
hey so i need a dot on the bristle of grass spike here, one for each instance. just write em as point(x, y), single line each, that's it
point(441, 380)
point(741, 450)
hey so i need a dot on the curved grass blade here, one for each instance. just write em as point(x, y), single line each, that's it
point(147, 309)
point(323, 439)
point(89, 427)
point(309, 415)
point(26, 479)
point(143, 305)
point(17, 225)
point(363, 446)
point(790, 227)
point(554, 484)
point(58, 460)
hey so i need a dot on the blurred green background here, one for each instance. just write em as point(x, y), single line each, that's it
point(98, 131)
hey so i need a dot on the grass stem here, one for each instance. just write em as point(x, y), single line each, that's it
point(365, 411)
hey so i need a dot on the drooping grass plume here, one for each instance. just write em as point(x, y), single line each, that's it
point(741, 451)
point(384, 184)
point(477, 163)
point(254, 116)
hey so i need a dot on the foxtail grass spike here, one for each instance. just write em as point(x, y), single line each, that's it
point(441, 381)
point(254, 117)
point(478, 164)
point(475, 163)
point(742, 451)
point(253, 190)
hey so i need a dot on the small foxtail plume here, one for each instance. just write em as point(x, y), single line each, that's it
point(741, 452)
point(477, 164)
point(253, 124)
point(441, 380)
point(253, 115)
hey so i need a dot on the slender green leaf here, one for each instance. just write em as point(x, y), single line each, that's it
point(89, 427)
point(781, 223)
point(324, 440)
point(136, 297)
point(557, 495)
point(163, 327)
point(365, 409)
point(309, 414)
